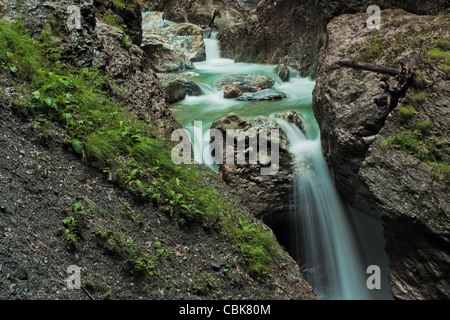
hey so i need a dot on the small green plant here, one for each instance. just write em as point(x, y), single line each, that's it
point(419, 97)
point(126, 42)
point(443, 44)
point(138, 262)
point(406, 141)
point(113, 21)
point(204, 283)
point(74, 224)
point(420, 80)
point(130, 214)
point(406, 113)
point(159, 249)
point(424, 126)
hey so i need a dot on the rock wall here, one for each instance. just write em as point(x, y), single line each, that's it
point(390, 160)
point(291, 31)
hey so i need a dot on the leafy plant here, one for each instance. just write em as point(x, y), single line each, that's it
point(74, 223)
point(424, 126)
point(406, 113)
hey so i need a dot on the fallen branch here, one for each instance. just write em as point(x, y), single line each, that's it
point(403, 79)
point(370, 67)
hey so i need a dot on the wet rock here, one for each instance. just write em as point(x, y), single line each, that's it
point(247, 82)
point(175, 91)
point(267, 196)
point(266, 94)
point(293, 117)
point(173, 48)
point(283, 72)
point(162, 55)
point(178, 89)
point(230, 92)
point(192, 89)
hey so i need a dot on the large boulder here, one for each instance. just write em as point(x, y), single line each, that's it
point(283, 72)
point(263, 95)
point(389, 158)
point(188, 38)
point(175, 91)
point(230, 92)
point(162, 55)
point(247, 82)
point(178, 89)
point(192, 88)
point(267, 196)
point(172, 47)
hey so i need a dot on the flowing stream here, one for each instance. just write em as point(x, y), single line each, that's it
point(332, 244)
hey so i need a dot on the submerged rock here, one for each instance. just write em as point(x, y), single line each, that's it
point(175, 91)
point(192, 88)
point(247, 82)
point(293, 117)
point(266, 94)
point(231, 92)
point(283, 72)
point(178, 89)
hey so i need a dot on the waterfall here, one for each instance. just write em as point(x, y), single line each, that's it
point(323, 236)
point(333, 254)
point(212, 48)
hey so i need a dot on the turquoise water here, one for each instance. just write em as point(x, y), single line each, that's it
point(324, 235)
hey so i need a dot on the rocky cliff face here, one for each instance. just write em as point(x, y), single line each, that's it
point(290, 31)
point(390, 158)
point(274, 32)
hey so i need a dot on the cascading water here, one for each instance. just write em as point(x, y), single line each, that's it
point(325, 242)
point(323, 235)
point(212, 48)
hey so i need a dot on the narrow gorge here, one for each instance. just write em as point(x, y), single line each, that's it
point(349, 201)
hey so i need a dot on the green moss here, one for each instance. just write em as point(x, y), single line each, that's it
point(420, 80)
point(443, 44)
point(424, 127)
point(113, 21)
point(439, 55)
point(419, 97)
point(406, 113)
